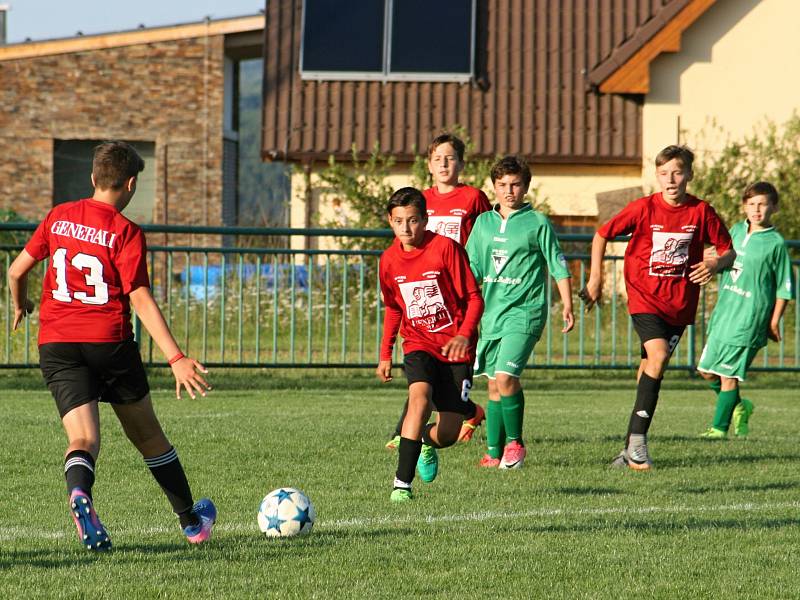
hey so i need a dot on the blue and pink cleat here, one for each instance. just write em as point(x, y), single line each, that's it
point(207, 514)
point(90, 530)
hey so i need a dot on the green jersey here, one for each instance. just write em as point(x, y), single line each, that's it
point(509, 258)
point(761, 273)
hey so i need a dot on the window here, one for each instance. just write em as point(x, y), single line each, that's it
point(72, 171)
point(388, 40)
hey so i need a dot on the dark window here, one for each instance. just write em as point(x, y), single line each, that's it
point(388, 40)
point(420, 44)
point(343, 36)
point(72, 171)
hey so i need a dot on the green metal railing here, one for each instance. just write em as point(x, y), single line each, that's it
point(310, 308)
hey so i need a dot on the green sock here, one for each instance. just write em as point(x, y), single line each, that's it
point(513, 409)
point(726, 402)
point(716, 386)
point(495, 432)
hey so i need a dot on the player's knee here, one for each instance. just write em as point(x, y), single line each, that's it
point(507, 384)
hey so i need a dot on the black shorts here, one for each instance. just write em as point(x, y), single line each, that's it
point(652, 327)
point(77, 373)
point(451, 382)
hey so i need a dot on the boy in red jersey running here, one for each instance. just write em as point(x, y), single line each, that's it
point(452, 208)
point(97, 271)
point(433, 301)
point(664, 269)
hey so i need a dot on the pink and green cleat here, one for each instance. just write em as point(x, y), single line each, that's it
point(207, 515)
point(90, 530)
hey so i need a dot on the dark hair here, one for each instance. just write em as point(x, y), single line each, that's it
point(681, 153)
point(114, 163)
point(761, 188)
point(408, 196)
point(511, 165)
point(447, 138)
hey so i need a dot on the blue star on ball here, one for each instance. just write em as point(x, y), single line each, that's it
point(274, 522)
point(283, 495)
point(302, 517)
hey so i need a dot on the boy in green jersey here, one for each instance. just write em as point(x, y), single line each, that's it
point(510, 250)
point(753, 295)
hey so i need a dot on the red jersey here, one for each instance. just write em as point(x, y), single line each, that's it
point(453, 214)
point(665, 242)
point(430, 296)
point(97, 257)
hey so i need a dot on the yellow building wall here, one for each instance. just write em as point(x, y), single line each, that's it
point(737, 66)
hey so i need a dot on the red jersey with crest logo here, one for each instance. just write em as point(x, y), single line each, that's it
point(96, 258)
point(453, 214)
point(665, 242)
point(430, 296)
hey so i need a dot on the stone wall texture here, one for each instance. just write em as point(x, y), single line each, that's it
point(170, 93)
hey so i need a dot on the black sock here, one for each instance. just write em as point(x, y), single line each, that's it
point(399, 427)
point(645, 406)
point(169, 474)
point(79, 471)
point(407, 460)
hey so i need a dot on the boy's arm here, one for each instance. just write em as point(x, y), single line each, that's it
point(18, 286)
point(565, 291)
point(184, 369)
point(393, 316)
point(774, 330)
point(702, 272)
point(465, 285)
point(593, 289)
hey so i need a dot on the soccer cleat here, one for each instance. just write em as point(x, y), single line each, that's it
point(401, 495)
point(741, 417)
point(469, 425)
point(513, 455)
point(624, 459)
point(393, 443)
point(428, 463)
point(206, 513)
point(489, 462)
point(639, 458)
point(712, 433)
point(90, 530)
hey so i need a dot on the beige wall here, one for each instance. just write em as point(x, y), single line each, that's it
point(569, 189)
point(737, 66)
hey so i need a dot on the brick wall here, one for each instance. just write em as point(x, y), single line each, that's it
point(170, 93)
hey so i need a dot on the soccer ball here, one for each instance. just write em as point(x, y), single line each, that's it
point(285, 512)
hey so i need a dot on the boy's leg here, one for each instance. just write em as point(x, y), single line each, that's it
point(82, 426)
point(141, 425)
point(512, 402)
point(417, 414)
point(727, 399)
point(495, 430)
point(394, 441)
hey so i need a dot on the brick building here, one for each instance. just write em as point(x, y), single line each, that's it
point(169, 90)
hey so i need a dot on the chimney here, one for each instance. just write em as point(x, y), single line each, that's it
point(3, 10)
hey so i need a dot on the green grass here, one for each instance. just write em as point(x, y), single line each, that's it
point(713, 518)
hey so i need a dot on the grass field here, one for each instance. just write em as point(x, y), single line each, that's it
point(713, 518)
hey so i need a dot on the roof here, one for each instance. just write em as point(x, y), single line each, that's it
point(541, 70)
point(131, 38)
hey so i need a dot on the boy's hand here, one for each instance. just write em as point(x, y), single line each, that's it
point(591, 294)
point(384, 371)
point(456, 348)
point(703, 272)
point(774, 331)
point(569, 319)
point(22, 312)
point(187, 374)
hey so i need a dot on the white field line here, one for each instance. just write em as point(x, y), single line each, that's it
point(13, 533)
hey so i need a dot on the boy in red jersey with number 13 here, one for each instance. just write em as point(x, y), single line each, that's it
point(433, 301)
point(97, 270)
point(664, 269)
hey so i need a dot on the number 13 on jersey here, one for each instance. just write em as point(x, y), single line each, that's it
point(92, 269)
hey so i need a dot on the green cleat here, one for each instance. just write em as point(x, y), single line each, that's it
point(428, 463)
point(741, 417)
point(712, 433)
point(393, 444)
point(401, 495)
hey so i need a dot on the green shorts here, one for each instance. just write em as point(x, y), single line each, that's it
point(508, 354)
point(725, 360)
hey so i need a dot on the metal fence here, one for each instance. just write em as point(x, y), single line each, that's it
point(235, 306)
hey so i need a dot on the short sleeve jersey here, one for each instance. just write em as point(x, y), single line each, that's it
point(761, 273)
point(431, 294)
point(97, 257)
point(453, 214)
point(511, 258)
point(665, 241)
